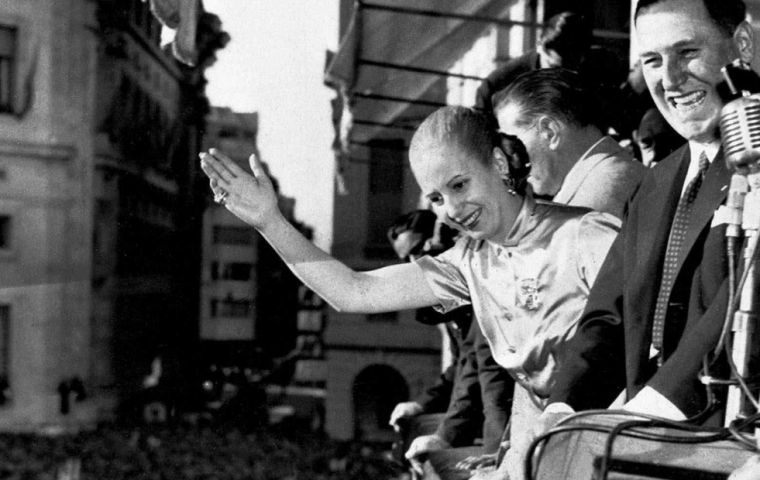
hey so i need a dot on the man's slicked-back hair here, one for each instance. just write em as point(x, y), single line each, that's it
point(468, 128)
point(556, 92)
point(727, 14)
point(567, 33)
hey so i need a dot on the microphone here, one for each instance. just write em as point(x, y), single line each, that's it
point(740, 137)
point(740, 117)
point(734, 207)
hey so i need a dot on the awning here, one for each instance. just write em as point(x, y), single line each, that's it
point(394, 52)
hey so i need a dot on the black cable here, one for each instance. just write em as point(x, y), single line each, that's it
point(731, 254)
point(722, 344)
point(669, 438)
point(740, 437)
point(689, 440)
point(711, 403)
point(555, 431)
point(681, 425)
point(732, 305)
point(709, 434)
point(742, 384)
point(619, 428)
point(753, 257)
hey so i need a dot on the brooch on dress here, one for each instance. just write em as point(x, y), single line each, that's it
point(527, 294)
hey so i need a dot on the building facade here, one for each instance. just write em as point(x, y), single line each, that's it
point(99, 205)
point(228, 293)
point(249, 299)
point(46, 159)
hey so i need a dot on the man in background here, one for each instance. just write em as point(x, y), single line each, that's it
point(655, 138)
point(571, 160)
point(566, 42)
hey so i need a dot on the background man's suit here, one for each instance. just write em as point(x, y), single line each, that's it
point(603, 179)
point(612, 346)
point(482, 396)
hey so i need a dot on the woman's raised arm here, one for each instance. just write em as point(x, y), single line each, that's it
point(253, 199)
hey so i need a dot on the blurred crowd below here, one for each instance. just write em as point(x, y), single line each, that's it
point(187, 452)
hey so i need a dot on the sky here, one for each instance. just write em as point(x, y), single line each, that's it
point(273, 65)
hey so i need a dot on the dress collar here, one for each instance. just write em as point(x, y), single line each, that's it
point(525, 222)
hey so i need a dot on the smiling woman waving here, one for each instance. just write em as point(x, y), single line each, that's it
point(525, 266)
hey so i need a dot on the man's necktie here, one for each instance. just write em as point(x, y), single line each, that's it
point(673, 253)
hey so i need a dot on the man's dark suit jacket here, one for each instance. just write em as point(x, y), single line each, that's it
point(611, 348)
point(481, 400)
point(436, 398)
point(475, 393)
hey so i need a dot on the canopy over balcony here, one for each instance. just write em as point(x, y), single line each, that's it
point(393, 53)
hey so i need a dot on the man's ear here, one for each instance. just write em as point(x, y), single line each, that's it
point(744, 40)
point(550, 131)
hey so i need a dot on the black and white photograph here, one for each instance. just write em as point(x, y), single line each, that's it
point(379, 239)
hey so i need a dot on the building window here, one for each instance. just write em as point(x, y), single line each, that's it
point(5, 232)
point(238, 271)
point(8, 37)
point(5, 344)
point(386, 186)
point(384, 317)
point(228, 133)
point(233, 235)
point(231, 308)
point(235, 271)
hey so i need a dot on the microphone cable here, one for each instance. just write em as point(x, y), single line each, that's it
point(723, 345)
point(696, 434)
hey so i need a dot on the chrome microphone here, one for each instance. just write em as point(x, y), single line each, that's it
point(740, 129)
point(740, 137)
point(740, 117)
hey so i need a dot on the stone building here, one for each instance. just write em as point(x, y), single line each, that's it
point(99, 205)
point(248, 296)
point(228, 280)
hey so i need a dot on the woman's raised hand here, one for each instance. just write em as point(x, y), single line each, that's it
point(249, 197)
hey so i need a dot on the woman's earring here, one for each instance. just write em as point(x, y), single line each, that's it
point(510, 182)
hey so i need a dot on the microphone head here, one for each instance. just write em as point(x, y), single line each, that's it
point(740, 130)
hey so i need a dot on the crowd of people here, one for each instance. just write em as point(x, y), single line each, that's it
point(185, 452)
point(589, 280)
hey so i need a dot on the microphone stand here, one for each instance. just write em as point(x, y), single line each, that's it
point(739, 134)
point(745, 317)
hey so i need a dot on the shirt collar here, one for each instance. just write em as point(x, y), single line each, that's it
point(592, 147)
point(581, 169)
point(710, 149)
point(695, 151)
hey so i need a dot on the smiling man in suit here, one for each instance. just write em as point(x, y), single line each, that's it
point(658, 304)
point(572, 161)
